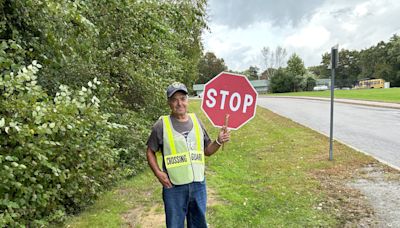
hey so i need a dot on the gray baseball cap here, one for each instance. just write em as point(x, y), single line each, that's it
point(175, 87)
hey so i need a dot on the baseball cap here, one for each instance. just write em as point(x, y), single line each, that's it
point(175, 87)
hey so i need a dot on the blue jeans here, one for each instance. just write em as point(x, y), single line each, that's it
point(188, 201)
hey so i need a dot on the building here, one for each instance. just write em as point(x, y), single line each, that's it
point(261, 86)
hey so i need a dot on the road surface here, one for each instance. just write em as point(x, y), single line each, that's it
point(373, 130)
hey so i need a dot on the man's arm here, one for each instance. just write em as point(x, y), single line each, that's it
point(161, 176)
point(211, 148)
point(223, 136)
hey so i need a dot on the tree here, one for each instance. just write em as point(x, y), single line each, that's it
point(295, 65)
point(296, 70)
point(280, 56)
point(293, 78)
point(273, 59)
point(348, 70)
point(265, 73)
point(310, 81)
point(252, 73)
point(209, 67)
point(281, 82)
point(393, 55)
point(319, 71)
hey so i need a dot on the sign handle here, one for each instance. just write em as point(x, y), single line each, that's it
point(226, 126)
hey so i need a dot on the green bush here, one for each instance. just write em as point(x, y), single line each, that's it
point(137, 46)
point(56, 154)
point(281, 82)
point(129, 140)
point(63, 142)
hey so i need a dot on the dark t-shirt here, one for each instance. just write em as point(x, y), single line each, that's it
point(155, 140)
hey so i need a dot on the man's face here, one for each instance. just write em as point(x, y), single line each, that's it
point(178, 103)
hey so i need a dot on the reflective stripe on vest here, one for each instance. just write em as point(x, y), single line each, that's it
point(184, 158)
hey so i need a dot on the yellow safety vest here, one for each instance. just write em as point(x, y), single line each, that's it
point(183, 158)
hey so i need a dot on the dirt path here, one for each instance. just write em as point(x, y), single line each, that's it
point(154, 216)
point(144, 217)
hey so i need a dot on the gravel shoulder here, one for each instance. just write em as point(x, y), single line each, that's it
point(381, 189)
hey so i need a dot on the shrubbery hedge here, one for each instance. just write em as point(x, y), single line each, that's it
point(63, 136)
point(57, 153)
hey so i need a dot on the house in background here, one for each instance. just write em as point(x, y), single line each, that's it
point(261, 86)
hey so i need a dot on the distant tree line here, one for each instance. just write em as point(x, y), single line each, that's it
point(294, 77)
point(379, 61)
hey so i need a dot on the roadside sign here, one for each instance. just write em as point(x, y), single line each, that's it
point(229, 94)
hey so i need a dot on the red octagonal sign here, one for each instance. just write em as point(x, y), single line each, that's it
point(231, 94)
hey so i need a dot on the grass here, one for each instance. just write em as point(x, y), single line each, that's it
point(267, 175)
point(385, 95)
point(273, 173)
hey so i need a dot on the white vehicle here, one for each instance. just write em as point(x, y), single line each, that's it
point(320, 88)
point(200, 95)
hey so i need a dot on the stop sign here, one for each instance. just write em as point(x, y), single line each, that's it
point(231, 94)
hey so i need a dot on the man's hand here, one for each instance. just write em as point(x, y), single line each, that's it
point(224, 135)
point(164, 180)
point(161, 176)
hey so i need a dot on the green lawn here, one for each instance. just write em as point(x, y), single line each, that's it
point(273, 173)
point(386, 95)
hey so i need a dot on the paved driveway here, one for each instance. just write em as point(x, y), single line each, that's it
point(373, 130)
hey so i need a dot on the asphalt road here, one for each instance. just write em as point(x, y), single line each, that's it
point(373, 130)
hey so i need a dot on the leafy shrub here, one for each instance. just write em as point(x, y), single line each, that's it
point(129, 140)
point(281, 82)
point(56, 154)
point(137, 46)
point(63, 142)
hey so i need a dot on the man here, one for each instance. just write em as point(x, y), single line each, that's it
point(175, 153)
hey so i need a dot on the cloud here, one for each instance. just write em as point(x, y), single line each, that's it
point(239, 47)
point(309, 37)
point(241, 13)
point(240, 29)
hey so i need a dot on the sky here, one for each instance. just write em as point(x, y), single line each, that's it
point(239, 29)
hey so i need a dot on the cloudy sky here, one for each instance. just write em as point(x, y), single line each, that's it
point(239, 29)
